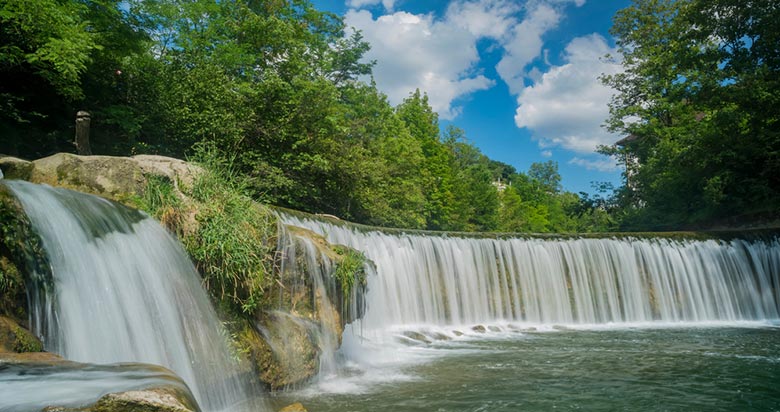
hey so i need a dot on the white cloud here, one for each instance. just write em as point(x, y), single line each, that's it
point(415, 51)
point(524, 44)
point(484, 18)
point(547, 153)
point(567, 106)
point(356, 4)
point(601, 165)
point(439, 55)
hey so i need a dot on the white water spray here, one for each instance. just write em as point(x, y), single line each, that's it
point(125, 291)
point(440, 280)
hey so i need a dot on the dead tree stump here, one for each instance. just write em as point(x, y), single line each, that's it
point(82, 133)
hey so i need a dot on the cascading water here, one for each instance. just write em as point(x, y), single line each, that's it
point(440, 280)
point(308, 274)
point(125, 291)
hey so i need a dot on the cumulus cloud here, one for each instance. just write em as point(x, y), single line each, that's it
point(356, 4)
point(484, 18)
point(563, 106)
point(601, 165)
point(567, 106)
point(416, 51)
point(525, 43)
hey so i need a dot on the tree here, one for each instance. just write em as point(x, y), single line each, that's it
point(699, 98)
point(47, 45)
point(423, 124)
point(475, 199)
point(546, 175)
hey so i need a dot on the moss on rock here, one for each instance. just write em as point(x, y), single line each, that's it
point(295, 407)
point(23, 262)
point(14, 338)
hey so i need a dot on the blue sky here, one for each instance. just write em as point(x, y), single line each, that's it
point(519, 76)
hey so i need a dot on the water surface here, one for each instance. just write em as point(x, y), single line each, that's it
point(627, 369)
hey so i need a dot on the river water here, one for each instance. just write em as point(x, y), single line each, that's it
point(458, 323)
point(647, 368)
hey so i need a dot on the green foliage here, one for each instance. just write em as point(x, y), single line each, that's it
point(25, 341)
point(350, 271)
point(701, 77)
point(231, 238)
point(274, 86)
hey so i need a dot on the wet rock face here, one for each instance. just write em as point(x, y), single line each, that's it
point(22, 259)
point(283, 349)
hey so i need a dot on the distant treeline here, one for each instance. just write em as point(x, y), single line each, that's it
point(276, 89)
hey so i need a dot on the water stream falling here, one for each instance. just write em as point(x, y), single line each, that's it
point(440, 280)
point(308, 274)
point(125, 291)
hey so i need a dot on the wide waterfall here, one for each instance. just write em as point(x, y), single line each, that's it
point(125, 291)
point(441, 280)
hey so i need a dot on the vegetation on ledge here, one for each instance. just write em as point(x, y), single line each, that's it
point(350, 269)
point(231, 238)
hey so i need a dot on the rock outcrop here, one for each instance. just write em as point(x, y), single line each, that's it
point(283, 338)
point(296, 407)
point(150, 400)
point(116, 178)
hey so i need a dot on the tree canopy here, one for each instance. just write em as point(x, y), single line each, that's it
point(699, 99)
point(282, 92)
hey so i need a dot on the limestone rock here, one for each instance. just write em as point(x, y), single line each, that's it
point(150, 400)
point(15, 168)
point(283, 349)
point(116, 178)
point(296, 407)
point(177, 171)
point(107, 176)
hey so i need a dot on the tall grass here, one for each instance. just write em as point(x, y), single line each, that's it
point(231, 238)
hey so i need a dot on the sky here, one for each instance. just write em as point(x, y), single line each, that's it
point(520, 77)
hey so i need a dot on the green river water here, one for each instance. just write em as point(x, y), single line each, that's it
point(628, 369)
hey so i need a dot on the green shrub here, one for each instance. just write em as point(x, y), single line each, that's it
point(231, 238)
point(350, 270)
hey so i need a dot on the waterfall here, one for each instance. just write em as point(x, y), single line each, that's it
point(451, 280)
point(308, 275)
point(125, 291)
